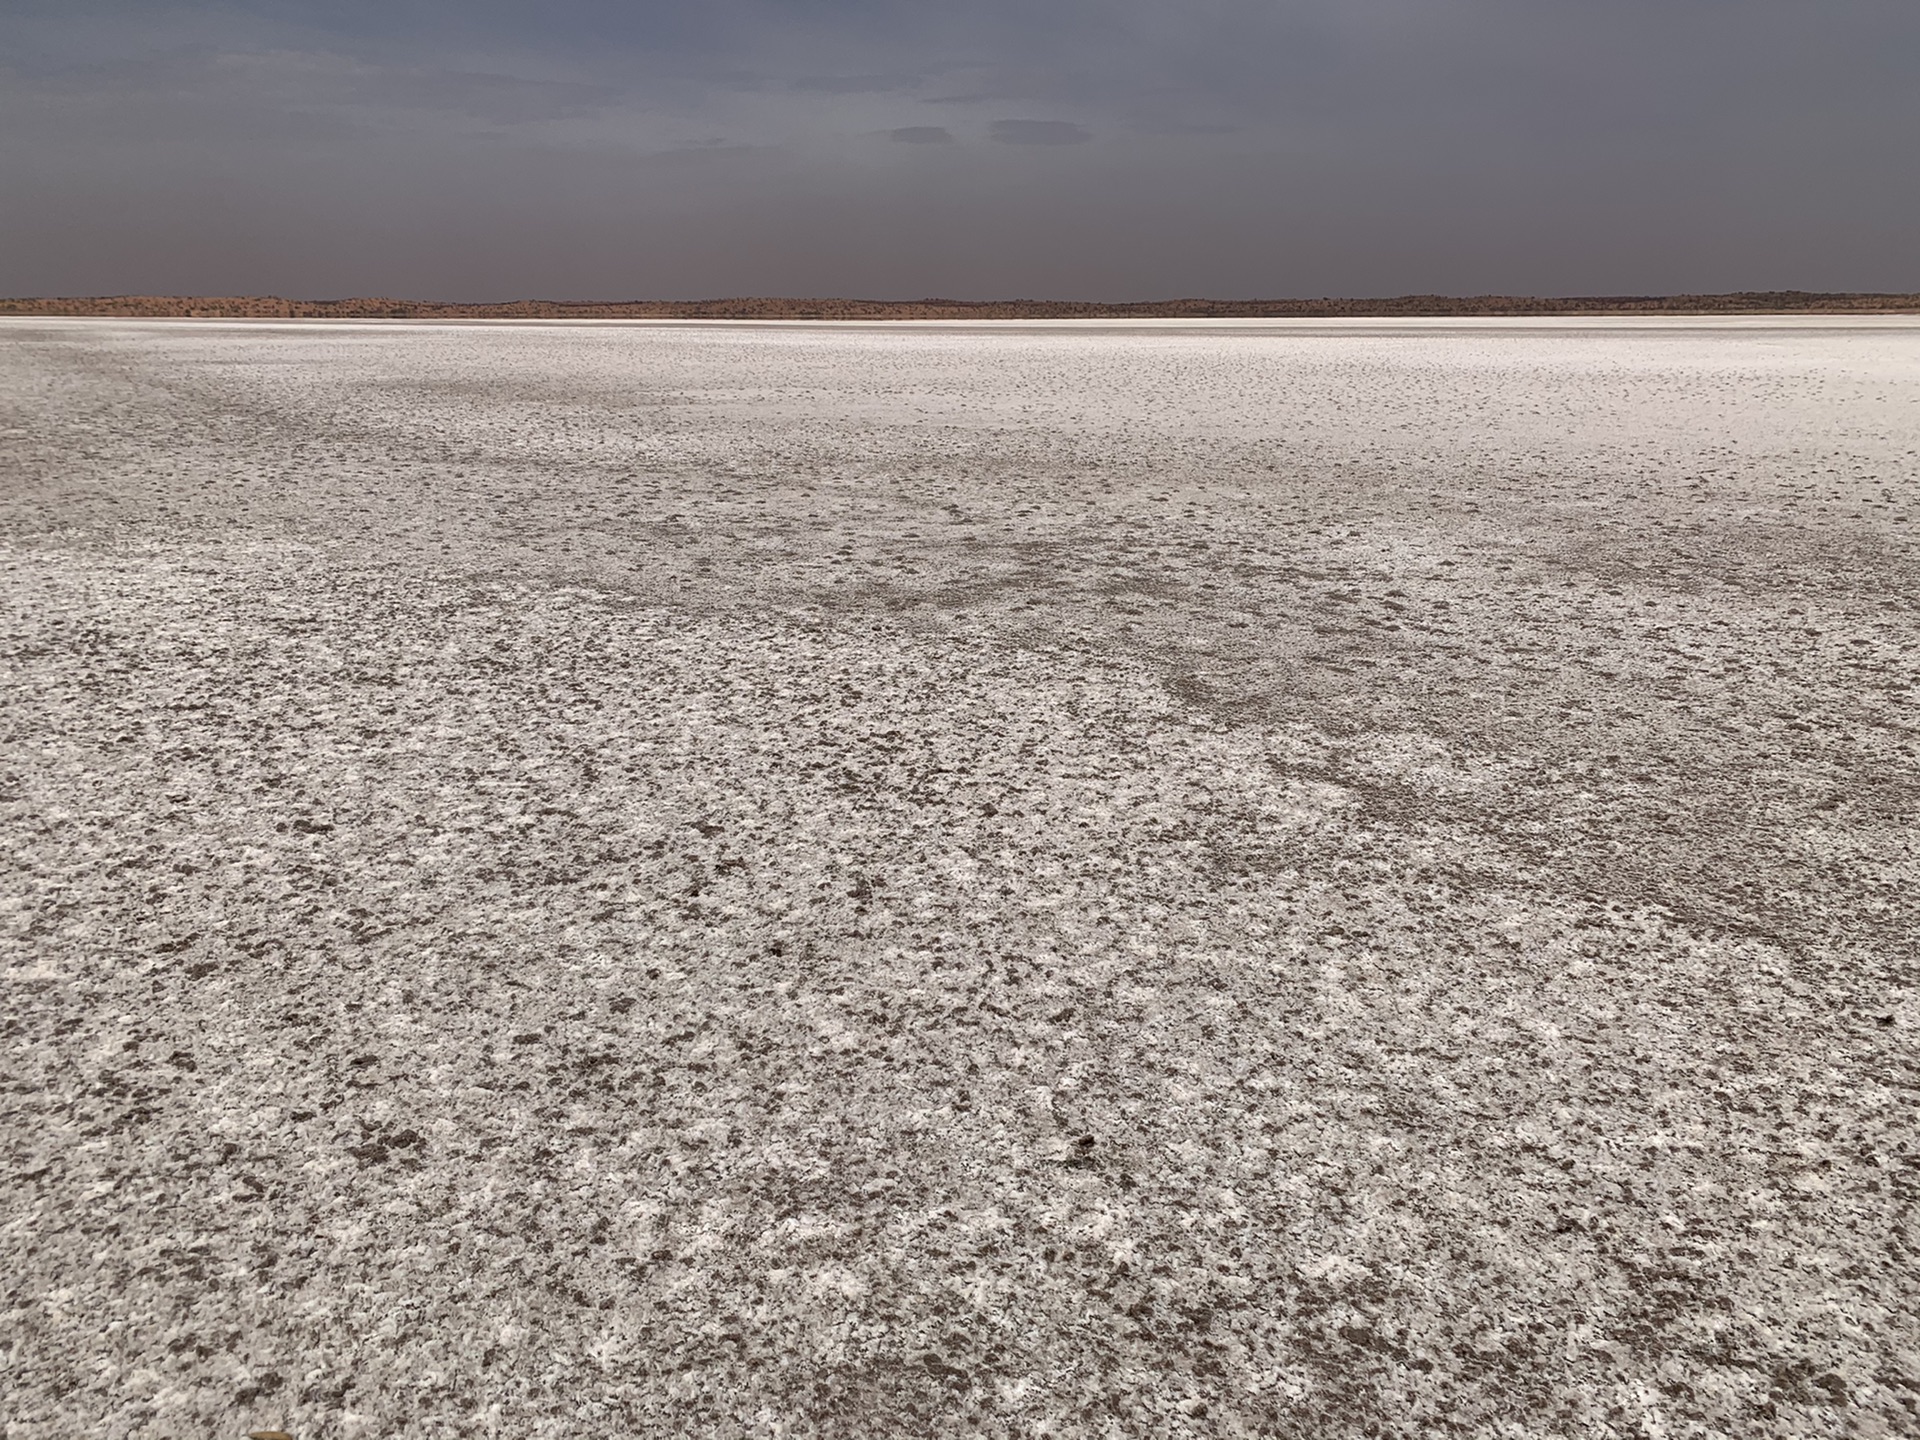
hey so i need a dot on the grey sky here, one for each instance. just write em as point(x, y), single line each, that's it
point(475, 149)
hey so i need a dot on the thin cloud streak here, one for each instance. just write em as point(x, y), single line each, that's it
point(1039, 132)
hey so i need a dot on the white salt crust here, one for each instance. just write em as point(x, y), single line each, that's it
point(968, 880)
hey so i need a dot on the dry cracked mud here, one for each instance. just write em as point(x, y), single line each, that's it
point(1005, 880)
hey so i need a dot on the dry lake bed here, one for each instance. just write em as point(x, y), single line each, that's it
point(1006, 880)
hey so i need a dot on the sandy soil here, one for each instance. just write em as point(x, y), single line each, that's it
point(1030, 880)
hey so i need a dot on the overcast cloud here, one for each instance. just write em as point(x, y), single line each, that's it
point(475, 149)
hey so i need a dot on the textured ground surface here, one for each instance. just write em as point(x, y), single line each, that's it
point(1148, 881)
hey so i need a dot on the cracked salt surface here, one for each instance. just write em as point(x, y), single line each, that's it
point(795, 880)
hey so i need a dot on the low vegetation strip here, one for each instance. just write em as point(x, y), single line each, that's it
point(272, 307)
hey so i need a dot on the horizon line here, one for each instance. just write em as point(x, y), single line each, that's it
point(1748, 302)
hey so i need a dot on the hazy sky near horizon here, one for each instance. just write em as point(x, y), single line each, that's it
point(480, 149)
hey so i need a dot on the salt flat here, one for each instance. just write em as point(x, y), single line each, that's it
point(1252, 879)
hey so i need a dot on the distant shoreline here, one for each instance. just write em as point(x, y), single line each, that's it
point(272, 307)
